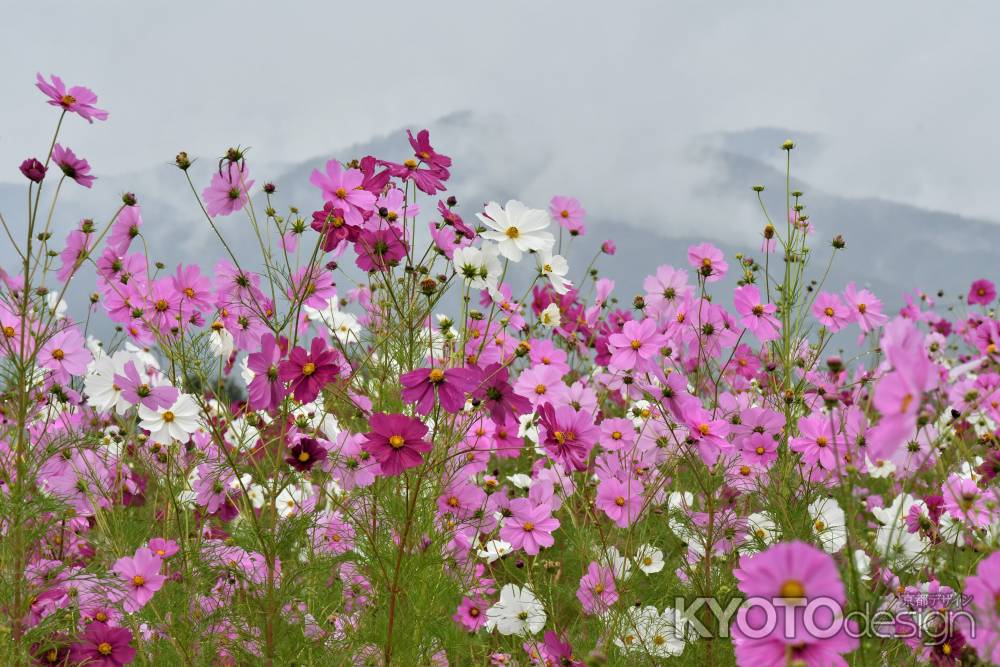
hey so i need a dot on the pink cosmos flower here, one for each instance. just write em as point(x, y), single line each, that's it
point(265, 391)
point(759, 450)
point(965, 501)
point(665, 289)
point(866, 307)
point(65, 354)
point(76, 168)
point(568, 435)
point(423, 150)
point(831, 312)
point(142, 578)
point(343, 187)
point(449, 385)
point(529, 527)
point(125, 228)
point(471, 613)
point(137, 389)
point(542, 384)
point(708, 261)
point(33, 170)
point(636, 345)
point(758, 317)
point(228, 191)
point(620, 500)
point(708, 434)
point(498, 396)
point(77, 99)
point(308, 372)
point(396, 442)
point(788, 576)
point(163, 548)
point(982, 292)
point(817, 442)
point(597, 589)
point(78, 245)
point(984, 589)
point(567, 213)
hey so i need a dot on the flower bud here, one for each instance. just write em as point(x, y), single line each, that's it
point(129, 199)
point(33, 170)
point(182, 161)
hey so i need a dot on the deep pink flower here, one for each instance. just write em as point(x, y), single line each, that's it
point(568, 213)
point(76, 168)
point(708, 261)
point(228, 191)
point(141, 576)
point(759, 449)
point(831, 312)
point(308, 372)
point(265, 391)
point(330, 222)
point(396, 442)
point(427, 180)
point(758, 317)
point(568, 435)
point(621, 501)
point(305, 453)
point(343, 187)
point(423, 150)
point(78, 100)
point(609, 247)
point(103, 646)
point(982, 292)
point(530, 526)
point(380, 249)
point(33, 170)
point(449, 385)
point(498, 396)
point(597, 590)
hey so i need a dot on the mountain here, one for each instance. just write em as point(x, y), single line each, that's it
point(891, 247)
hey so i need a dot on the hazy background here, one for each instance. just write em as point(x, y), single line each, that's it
point(658, 116)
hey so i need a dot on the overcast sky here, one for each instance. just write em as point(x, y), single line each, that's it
point(905, 92)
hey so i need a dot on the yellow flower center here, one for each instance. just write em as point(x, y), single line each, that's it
point(821, 441)
point(828, 311)
point(760, 451)
point(635, 344)
point(341, 193)
point(436, 375)
point(8, 331)
point(564, 214)
point(103, 648)
point(620, 501)
point(308, 368)
point(58, 354)
point(513, 232)
point(703, 429)
point(68, 100)
point(396, 441)
point(304, 456)
point(137, 580)
point(168, 416)
point(528, 526)
point(792, 588)
point(539, 388)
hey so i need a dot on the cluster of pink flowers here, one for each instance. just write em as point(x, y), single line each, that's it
point(549, 466)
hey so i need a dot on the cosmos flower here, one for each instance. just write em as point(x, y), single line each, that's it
point(308, 372)
point(76, 99)
point(981, 292)
point(517, 612)
point(831, 312)
point(101, 645)
point(305, 453)
point(568, 214)
point(516, 229)
point(758, 317)
point(529, 527)
point(141, 577)
point(449, 385)
point(343, 188)
point(228, 191)
point(73, 167)
point(597, 589)
point(396, 442)
point(708, 261)
point(176, 422)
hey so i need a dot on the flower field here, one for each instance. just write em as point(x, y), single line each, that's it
point(408, 432)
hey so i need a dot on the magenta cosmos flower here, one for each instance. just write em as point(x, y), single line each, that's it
point(308, 372)
point(343, 188)
point(708, 261)
point(982, 292)
point(76, 168)
point(265, 391)
point(866, 307)
point(77, 99)
point(498, 395)
point(103, 646)
point(141, 576)
point(379, 249)
point(530, 526)
point(786, 577)
point(449, 385)
point(33, 170)
point(396, 442)
point(306, 453)
point(569, 435)
point(227, 193)
point(568, 214)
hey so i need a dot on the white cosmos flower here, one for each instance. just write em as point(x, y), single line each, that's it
point(175, 423)
point(661, 635)
point(494, 550)
point(56, 305)
point(292, 498)
point(620, 566)
point(520, 480)
point(880, 468)
point(828, 523)
point(516, 229)
point(479, 267)
point(550, 317)
point(649, 559)
point(555, 268)
point(341, 324)
point(863, 564)
point(761, 528)
point(221, 342)
point(99, 383)
point(894, 541)
point(518, 612)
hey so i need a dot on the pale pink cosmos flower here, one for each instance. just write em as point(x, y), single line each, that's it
point(76, 99)
point(636, 346)
point(142, 578)
point(597, 590)
point(866, 308)
point(568, 214)
point(708, 261)
point(621, 501)
point(65, 354)
point(227, 193)
point(757, 317)
point(343, 187)
point(830, 311)
point(530, 526)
